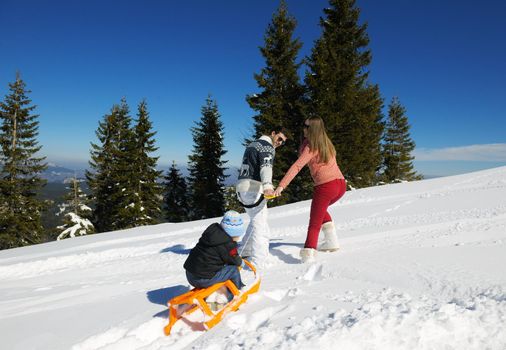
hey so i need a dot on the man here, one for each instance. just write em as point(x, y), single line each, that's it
point(255, 182)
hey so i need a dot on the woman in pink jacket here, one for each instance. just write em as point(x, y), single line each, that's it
point(320, 154)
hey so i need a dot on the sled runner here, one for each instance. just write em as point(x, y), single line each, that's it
point(196, 299)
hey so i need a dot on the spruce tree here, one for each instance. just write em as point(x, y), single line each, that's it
point(20, 168)
point(176, 196)
point(123, 180)
point(281, 99)
point(109, 164)
point(75, 212)
point(206, 167)
point(340, 93)
point(140, 202)
point(231, 200)
point(397, 146)
point(99, 177)
point(124, 195)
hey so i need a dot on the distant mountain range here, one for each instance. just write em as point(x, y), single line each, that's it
point(58, 174)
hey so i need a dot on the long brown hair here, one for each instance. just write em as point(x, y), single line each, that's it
point(318, 140)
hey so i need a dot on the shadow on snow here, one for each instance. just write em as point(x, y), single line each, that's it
point(177, 249)
point(287, 258)
point(163, 295)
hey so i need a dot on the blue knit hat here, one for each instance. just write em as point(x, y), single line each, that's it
point(232, 223)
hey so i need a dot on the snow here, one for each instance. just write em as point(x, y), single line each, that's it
point(421, 266)
point(84, 207)
point(80, 226)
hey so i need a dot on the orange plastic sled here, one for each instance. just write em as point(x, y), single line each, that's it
point(195, 298)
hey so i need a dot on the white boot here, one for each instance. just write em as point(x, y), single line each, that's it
point(219, 296)
point(308, 255)
point(331, 243)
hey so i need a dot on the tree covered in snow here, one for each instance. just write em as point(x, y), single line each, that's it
point(206, 166)
point(340, 93)
point(398, 146)
point(281, 99)
point(20, 169)
point(175, 196)
point(75, 212)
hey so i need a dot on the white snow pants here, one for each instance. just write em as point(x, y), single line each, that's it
point(255, 242)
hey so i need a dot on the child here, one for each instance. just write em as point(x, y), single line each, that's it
point(215, 259)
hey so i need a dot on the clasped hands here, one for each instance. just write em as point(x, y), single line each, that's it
point(271, 194)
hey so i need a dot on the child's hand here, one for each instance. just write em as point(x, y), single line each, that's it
point(278, 191)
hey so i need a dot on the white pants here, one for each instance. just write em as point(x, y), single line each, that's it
point(255, 242)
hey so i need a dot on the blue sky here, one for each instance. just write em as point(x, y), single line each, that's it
point(445, 60)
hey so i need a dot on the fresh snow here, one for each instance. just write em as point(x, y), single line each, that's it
point(80, 226)
point(421, 266)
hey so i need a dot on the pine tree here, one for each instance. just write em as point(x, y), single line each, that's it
point(75, 212)
point(108, 178)
point(339, 92)
point(231, 200)
point(206, 167)
point(281, 100)
point(99, 177)
point(20, 209)
point(140, 203)
point(397, 146)
point(176, 196)
point(123, 180)
point(124, 195)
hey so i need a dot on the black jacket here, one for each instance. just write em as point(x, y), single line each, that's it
point(214, 250)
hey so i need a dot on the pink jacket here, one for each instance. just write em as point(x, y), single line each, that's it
point(320, 172)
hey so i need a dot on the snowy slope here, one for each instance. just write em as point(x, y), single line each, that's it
point(422, 266)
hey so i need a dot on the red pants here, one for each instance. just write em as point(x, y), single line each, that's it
point(324, 195)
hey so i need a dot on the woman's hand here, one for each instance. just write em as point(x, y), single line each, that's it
point(278, 191)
